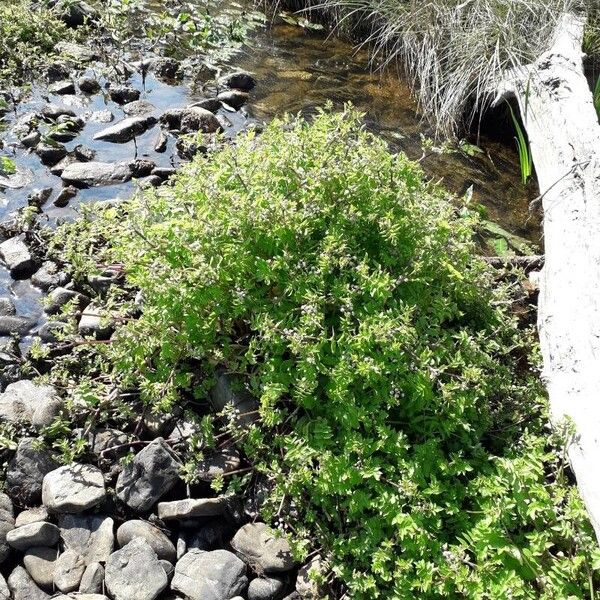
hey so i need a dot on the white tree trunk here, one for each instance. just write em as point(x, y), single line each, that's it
point(558, 113)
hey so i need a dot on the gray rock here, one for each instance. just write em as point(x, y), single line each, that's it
point(53, 111)
point(266, 588)
point(64, 196)
point(92, 579)
point(73, 488)
point(76, 52)
point(60, 166)
point(68, 571)
point(40, 563)
point(138, 108)
point(83, 153)
point(306, 586)
point(219, 464)
point(50, 154)
point(49, 331)
point(39, 197)
point(211, 104)
point(262, 549)
point(31, 140)
point(31, 515)
point(15, 254)
point(186, 429)
point(7, 522)
point(62, 87)
point(100, 116)
point(156, 539)
point(23, 587)
point(60, 296)
point(192, 508)
point(233, 98)
point(102, 440)
point(199, 119)
point(7, 307)
point(90, 536)
point(94, 323)
point(230, 392)
point(216, 575)
point(4, 591)
point(152, 473)
point(74, 13)
point(26, 471)
point(142, 167)
point(134, 572)
point(49, 276)
point(27, 402)
point(96, 173)
point(167, 68)
point(161, 142)
point(126, 130)
point(88, 85)
point(34, 534)
point(15, 325)
point(240, 80)
point(123, 94)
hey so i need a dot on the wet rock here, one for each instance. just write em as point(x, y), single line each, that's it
point(100, 116)
point(199, 119)
point(68, 571)
point(160, 144)
point(60, 296)
point(219, 464)
point(94, 323)
point(135, 572)
point(233, 98)
point(26, 471)
point(51, 112)
point(50, 154)
point(261, 548)
point(167, 68)
point(142, 167)
point(27, 402)
point(92, 579)
point(84, 154)
point(31, 140)
point(31, 515)
point(57, 70)
point(88, 85)
point(7, 307)
point(34, 534)
point(75, 52)
point(90, 536)
point(240, 80)
point(40, 563)
point(266, 588)
point(23, 587)
point(96, 173)
point(164, 172)
point(152, 181)
point(66, 194)
point(73, 488)
point(62, 87)
point(216, 575)
point(139, 108)
point(16, 256)
point(155, 538)
point(211, 104)
point(192, 508)
point(74, 13)
point(39, 197)
point(15, 325)
point(7, 523)
point(60, 166)
point(152, 473)
point(123, 94)
point(49, 276)
point(126, 130)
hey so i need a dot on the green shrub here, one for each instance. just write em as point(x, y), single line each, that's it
point(402, 428)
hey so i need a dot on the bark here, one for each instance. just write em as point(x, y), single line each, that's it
point(558, 113)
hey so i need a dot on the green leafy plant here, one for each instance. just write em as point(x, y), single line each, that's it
point(525, 157)
point(402, 428)
point(597, 97)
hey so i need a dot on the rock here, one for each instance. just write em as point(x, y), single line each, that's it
point(4, 591)
point(26, 471)
point(90, 536)
point(65, 195)
point(61, 165)
point(233, 98)
point(31, 140)
point(83, 154)
point(40, 563)
point(34, 534)
point(229, 391)
point(51, 112)
point(73, 488)
point(216, 575)
point(185, 429)
point(101, 440)
point(57, 70)
point(142, 167)
point(123, 94)
point(240, 80)
point(51, 330)
point(259, 546)
point(96, 173)
point(266, 588)
point(49, 276)
point(15, 254)
point(190, 509)
point(126, 130)
point(152, 181)
point(139, 108)
point(76, 52)
point(50, 154)
point(199, 119)
point(62, 87)
point(7, 523)
point(68, 571)
point(31, 515)
point(7, 307)
point(74, 13)
point(93, 323)
point(100, 116)
point(306, 586)
point(212, 535)
point(60, 296)
point(211, 104)
point(15, 325)
point(153, 536)
point(134, 572)
point(152, 473)
point(92, 579)
point(167, 68)
point(25, 401)
point(39, 197)
point(88, 85)
point(219, 464)
point(160, 145)
point(22, 586)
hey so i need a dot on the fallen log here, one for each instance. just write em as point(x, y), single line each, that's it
point(562, 126)
point(527, 263)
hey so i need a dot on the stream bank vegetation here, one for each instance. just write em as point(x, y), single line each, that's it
point(403, 427)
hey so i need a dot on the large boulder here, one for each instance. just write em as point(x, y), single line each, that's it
point(134, 572)
point(73, 488)
point(263, 549)
point(94, 173)
point(216, 575)
point(27, 402)
point(151, 474)
point(90, 536)
point(155, 538)
point(26, 471)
